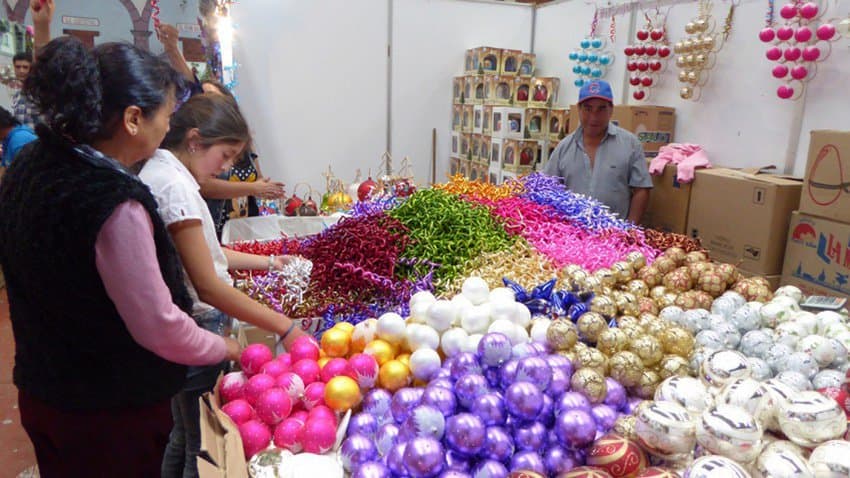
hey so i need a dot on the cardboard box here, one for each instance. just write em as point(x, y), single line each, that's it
point(457, 115)
point(519, 156)
point(537, 123)
point(454, 166)
point(476, 147)
point(494, 173)
point(500, 90)
point(655, 126)
point(455, 145)
point(487, 126)
point(479, 171)
point(827, 180)
point(742, 216)
point(249, 334)
point(510, 61)
point(522, 91)
point(544, 92)
point(817, 257)
point(478, 119)
point(669, 203)
point(527, 65)
point(489, 60)
point(508, 122)
point(457, 89)
point(558, 119)
point(471, 62)
point(465, 145)
point(496, 146)
point(484, 151)
point(466, 118)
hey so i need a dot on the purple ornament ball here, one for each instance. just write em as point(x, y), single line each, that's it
point(426, 421)
point(490, 469)
point(616, 395)
point(372, 469)
point(631, 405)
point(443, 382)
point(575, 428)
point(528, 461)
point(559, 385)
point(572, 401)
point(423, 457)
point(356, 450)
point(445, 372)
point(493, 376)
point(534, 370)
point(469, 387)
point(524, 400)
point(363, 424)
point(547, 413)
point(560, 362)
point(395, 460)
point(541, 348)
point(531, 437)
point(508, 373)
point(523, 350)
point(403, 402)
point(490, 408)
point(558, 460)
point(386, 437)
point(457, 462)
point(465, 363)
point(605, 416)
point(465, 434)
point(441, 398)
point(454, 474)
point(377, 403)
point(498, 445)
point(494, 349)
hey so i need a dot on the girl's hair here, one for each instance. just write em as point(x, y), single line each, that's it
point(83, 94)
point(220, 87)
point(216, 117)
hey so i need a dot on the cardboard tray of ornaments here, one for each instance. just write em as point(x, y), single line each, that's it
point(222, 455)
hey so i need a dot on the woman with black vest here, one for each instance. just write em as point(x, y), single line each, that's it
point(96, 293)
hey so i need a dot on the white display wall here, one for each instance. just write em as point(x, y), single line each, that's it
point(289, 50)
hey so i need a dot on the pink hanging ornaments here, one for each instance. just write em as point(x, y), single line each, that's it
point(798, 45)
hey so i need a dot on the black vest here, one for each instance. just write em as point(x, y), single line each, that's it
point(73, 350)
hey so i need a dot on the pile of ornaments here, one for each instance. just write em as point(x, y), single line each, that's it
point(776, 339)
point(293, 400)
point(503, 408)
point(736, 425)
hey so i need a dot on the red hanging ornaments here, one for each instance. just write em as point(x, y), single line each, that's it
point(647, 57)
point(797, 46)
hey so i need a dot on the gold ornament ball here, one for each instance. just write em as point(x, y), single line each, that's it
point(571, 355)
point(590, 325)
point(625, 425)
point(578, 279)
point(592, 358)
point(636, 259)
point(677, 254)
point(627, 303)
point(603, 305)
point(638, 288)
point(695, 256)
point(612, 341)
point(693, 77)
point(696, 269)
point(708, 43)
point(680, 60)
point(672, 366)
point(691, 61)
point(335, 342)
point(592, 283)
point(562, 335)
point(690, 28)
point(589, 383)
point(678, 47)
point(647, 305)
point(648, 348)
point(623, 270)
point(686, 301)
point(645, 388)
point(394, 375)
point(655, 327)
point(677, 341)
point(632, 332)
point(626, 368)
point(668, 300)
point(678, 281)
point(687, 45)
point(701, 25)
point(658, 292)
point(683, 76)
point(703, 300)
point(711, 283)
point(628, 321)
point(651, 276)
point(606, 276)
point(727, 272)
point(382, 350)
point(342, 393)
point(665, 264)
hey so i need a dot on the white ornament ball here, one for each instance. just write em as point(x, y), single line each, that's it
point(789, 302)
point(521, 334)
point(461, 304)
point(539, 328)
point(831, 459)
point(504, 326)
point(502, 310)
point(737, 298)
point(419, 311)
point(391, 327)
point(476, 290)
point(424, 363)
point(475, 320)
point(672, 313)
point(453, 341)
point(422, 336)
point(805, 319)
point(472, 343)
point(422, 297)
point(522, 316)
point(827, 318)
point(441, 314)
point(790, 291)
point(724, 306)
point(502, 293)
point(789, 333)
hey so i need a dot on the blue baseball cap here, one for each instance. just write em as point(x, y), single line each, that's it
point(596, 89)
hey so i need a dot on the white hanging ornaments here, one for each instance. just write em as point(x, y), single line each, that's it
point(798, 45)
point(592, 60)
point(696, 54)
point(647, 58)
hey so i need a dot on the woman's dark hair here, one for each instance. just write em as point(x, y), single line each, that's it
point(216, 117)
point(7, 120)
point(83, 94)
point(220, 87)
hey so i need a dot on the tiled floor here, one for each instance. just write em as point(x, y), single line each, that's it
point(16, 453)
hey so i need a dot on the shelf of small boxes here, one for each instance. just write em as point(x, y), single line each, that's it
point(503, 120)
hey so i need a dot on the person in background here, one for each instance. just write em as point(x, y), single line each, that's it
point(98, 304)
point(15, 136)
point(602, 160)
point(232, 194)
point(207, 134)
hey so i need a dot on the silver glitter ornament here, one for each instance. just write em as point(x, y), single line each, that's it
point(831, 460)
point(756, 343)
point(737, 298)
point(778, 460)
point(710, 340)
point(688, 392)
point(730, 431)
point(724, 306)
point(672, 313)
point(803, 363)
point(713, 466)
point(731, 335)
point(827, 318)
point(838, 349)
point(828, 379)
point(746, 318)
point(696, 320)
point(789, 333)
point(777, 355)
point(761, 370)
point(809, 419)
point(794, 379)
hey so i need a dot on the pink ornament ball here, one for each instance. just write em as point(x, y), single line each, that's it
point(767, 35)
point(322, 412)
point(774, 53)
point(334, 368)
point(274, 368)
point(799, 72)
point(793, 53)
point(238, 410)
point(785, 92)
point(254, 357)
point(314, 395)
point(780, 71)
point(287, 434)
point(307, 369)
point(788, 11)
point(826, 32)
point(784, 33)
point(811, 53)
point(365, 369)
point(232, 386)
point(300, 415)
point(318, 436)
point(293, 385)
point(803, 34)
point(255, 437)
point(256, 386)
point(809, 10)
point(304, 347)
point(286, 360)
point(273, 406)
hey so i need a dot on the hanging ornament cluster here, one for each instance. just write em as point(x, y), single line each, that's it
point(797, 46)
point(647, 58)
point(696, 54)
point(591, 60)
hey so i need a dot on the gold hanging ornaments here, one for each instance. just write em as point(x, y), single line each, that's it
point(696, 54)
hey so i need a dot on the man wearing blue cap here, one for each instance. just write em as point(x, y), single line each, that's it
point(602, 160)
